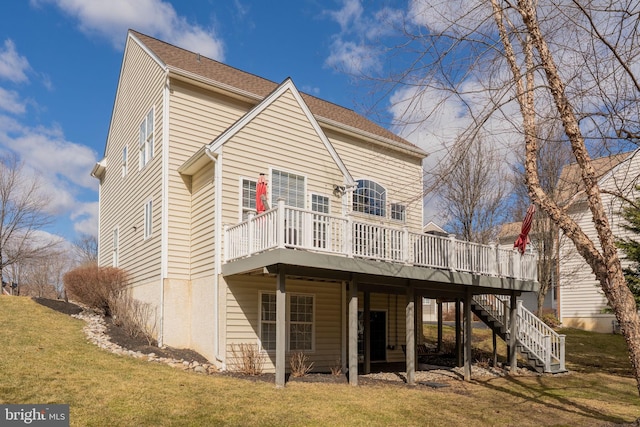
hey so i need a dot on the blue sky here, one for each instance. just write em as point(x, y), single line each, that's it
point(60, 60)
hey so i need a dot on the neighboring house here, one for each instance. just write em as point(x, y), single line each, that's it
point(335, 265)
point(507, 236)
point(581, 302)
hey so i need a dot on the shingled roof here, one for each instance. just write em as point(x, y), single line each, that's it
point(258, 87)
point(570, 183)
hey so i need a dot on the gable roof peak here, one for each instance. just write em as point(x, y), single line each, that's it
point(184, 62)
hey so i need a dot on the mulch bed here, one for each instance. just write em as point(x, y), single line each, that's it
point(118, 336)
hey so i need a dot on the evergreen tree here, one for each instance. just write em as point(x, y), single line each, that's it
point(631, 247)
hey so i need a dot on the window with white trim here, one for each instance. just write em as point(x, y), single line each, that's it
point(300, 324)
point(398, 212)
point(145, 141)
point(320, 204)
point(268, 321)
point(370, 198)
point(148, 219)
point(289, 186)
point(248, 197)
point(124, 161)
point(115, 254)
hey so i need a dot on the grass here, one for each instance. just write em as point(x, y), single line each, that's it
point(46, 359)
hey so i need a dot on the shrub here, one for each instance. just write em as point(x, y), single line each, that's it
point(299, 364)
point(248, 359)
point(95, 286)
point(136, 318)
point(549, 317)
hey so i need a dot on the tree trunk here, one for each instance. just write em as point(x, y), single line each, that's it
point(605, 264)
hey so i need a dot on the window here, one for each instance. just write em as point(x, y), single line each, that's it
point(320, 222)
point(398, 212)
point(268, 321)
point(148, 219)
point(370, 198)
point(114, 260)
point(146, 139)
point(248, 197)
point(288, 186)
point(124, 161)
point(300, 324)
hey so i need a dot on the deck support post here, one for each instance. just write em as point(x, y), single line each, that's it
point(411, 335)
point(353, 332)
point(467, 335)
point(458, 334)
point(366, 342)
point(513, 333)
point(439, 326)
point(281, 330)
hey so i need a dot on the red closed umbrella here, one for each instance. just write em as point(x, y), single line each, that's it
point(261, 194)
point(523, 238)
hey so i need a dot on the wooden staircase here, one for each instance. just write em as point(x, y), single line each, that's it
point(541, 346)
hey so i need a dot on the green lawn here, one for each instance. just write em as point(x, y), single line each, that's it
point(46, 359)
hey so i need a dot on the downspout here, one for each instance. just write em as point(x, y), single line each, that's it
point(217, 162)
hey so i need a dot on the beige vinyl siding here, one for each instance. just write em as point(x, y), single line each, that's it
point(123, 199)
point(196, 117)
point(203, 226)
point(243, 323)
point(400, 174)
point(282, 138)
point(580, 294)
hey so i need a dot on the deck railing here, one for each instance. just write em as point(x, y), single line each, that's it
point(288, 227)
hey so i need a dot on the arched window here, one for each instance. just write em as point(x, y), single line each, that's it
point(370, 197)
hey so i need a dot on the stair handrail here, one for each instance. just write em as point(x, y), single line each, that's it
point(540, 339)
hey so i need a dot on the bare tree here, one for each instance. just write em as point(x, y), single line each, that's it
point(471, 191)
point(521, 63)
point(554, 154)
point(86, 247)
point(22, 215)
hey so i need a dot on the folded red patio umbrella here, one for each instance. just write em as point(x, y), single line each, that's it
point(261, 194)
point(523, 238)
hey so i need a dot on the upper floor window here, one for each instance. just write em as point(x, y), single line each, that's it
point(248, 197)
point(398, 212)
point(148, 219)
point(146, 139)
point(124, 161)
point(289, 186)
point(370, 198)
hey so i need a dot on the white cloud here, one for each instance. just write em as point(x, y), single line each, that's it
point(63, 166)
point(10, 101)
point(111, 20)
point(13, 67)
point(85, 218)
point(354, 49)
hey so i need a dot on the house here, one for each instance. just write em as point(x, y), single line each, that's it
point(581, 302)
point(335, 264)
point(507, 236)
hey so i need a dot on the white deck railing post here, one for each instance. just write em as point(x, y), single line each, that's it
point(452, 252)
point(561, 351)
point(280, 228)
point(348, 234)
point(251, 232)
point(406, 246)
point(226, 243)
point(547, 353)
